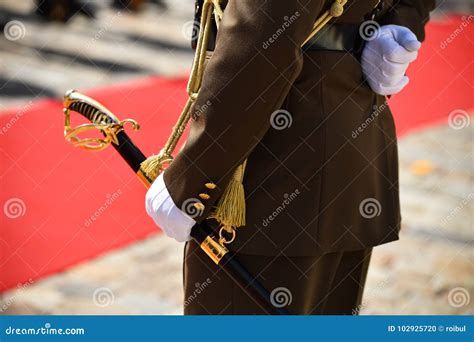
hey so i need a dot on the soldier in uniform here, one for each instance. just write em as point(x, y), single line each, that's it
point(321, 181)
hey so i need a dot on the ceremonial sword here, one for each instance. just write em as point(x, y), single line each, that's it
point(114, 134)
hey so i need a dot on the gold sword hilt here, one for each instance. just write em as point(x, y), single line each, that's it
point(100, 119)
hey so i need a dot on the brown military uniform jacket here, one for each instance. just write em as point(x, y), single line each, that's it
point(322, 175)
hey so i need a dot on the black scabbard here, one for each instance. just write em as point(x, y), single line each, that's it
point(129, 151)
point(204, 235)
point(230, 264)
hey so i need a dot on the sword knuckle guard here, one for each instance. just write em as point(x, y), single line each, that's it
point(100, 118)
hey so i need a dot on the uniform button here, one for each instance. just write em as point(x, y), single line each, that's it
point(204, 196)
point(211, 186)
point(199, 206)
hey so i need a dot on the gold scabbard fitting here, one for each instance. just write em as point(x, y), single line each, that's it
point(223, 239)
point(213, 249)
point(144, 178)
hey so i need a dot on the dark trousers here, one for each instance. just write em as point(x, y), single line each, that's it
point(328, 284)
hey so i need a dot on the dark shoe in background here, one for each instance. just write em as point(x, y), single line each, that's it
point(63, 10)
point(133, 5)
point(136, 5)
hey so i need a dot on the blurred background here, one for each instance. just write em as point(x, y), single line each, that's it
point(74, 236)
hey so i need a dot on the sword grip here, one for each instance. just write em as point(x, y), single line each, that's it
point(92, 110)
point(91, 113)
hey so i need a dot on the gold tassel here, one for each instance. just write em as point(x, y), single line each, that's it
point(230, 210)
point(154, 165)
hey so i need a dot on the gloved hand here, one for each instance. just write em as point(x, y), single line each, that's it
point(161, 208)
point(386, 58)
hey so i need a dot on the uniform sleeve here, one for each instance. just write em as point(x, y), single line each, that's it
point(256, 59)
point(413, 14)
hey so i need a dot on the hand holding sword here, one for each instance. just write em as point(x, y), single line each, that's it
point(112, 129)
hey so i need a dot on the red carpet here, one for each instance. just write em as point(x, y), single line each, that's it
point(441, 79)
point(50, 190)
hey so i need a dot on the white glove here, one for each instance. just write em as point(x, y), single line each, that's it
point(386, 58)
point(161, 208)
